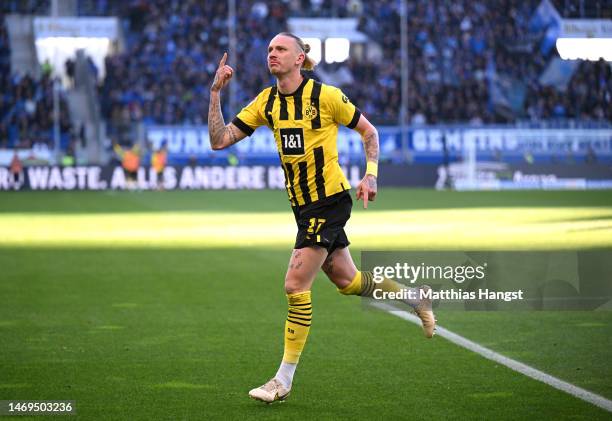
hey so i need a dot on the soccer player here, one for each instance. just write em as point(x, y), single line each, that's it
point(159, 159)
point(130, 161)
point(304, 116)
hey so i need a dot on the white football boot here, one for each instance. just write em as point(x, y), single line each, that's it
point(270, 392)
point(424, 311)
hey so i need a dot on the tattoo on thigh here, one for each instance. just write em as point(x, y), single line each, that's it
point(328, 264)
point(295, 263)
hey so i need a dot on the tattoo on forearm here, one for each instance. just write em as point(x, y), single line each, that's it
point(215, 80)
point(232, 134)
point(217, 128)
point(216, 124)
point(370, 142)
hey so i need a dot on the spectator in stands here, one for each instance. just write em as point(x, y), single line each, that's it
point(46, 69)
point(591, 156)
point(69, 68)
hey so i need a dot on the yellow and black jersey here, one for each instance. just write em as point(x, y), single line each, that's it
point(305, 126)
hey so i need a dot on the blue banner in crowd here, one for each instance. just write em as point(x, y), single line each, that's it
point(423, 144)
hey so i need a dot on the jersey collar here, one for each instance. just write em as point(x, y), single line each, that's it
point(299, 88)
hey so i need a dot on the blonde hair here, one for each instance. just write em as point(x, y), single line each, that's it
point(309, 63)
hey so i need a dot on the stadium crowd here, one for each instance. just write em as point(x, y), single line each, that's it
point(457, 52)
point(26, 101)
point(454, 48)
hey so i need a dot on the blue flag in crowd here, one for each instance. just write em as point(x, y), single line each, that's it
point(546, 19)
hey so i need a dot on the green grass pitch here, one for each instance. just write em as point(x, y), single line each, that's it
point(171, 306)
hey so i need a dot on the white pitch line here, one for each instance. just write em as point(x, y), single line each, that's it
point(528, 371)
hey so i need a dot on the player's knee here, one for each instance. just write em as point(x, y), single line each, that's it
point(349, 285)
point(341, 282)
point(294, 285)
point(340, 276)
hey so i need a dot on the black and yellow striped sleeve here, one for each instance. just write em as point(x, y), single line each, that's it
point(251, 116)
point(342, 109)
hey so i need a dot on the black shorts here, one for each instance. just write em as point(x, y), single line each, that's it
point(130, 175)
point(322, 223)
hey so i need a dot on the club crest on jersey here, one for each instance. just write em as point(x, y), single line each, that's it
point(310, 113)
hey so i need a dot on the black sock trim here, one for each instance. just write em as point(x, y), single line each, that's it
point(306, 319)
point(367, 284)
point(298, 323)
point(300, 308)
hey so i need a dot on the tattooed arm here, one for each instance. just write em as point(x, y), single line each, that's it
point(370, 144)
point(368, 188)
point(221, 135)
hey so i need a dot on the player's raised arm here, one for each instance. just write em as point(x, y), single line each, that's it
point(367, 188)
point(221, 135)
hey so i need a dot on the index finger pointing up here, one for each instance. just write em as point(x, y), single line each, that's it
point(223, 59)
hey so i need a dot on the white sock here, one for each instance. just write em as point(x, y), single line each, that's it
point(285, 374)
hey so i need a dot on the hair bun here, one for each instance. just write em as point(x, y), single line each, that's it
point(306, 48)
